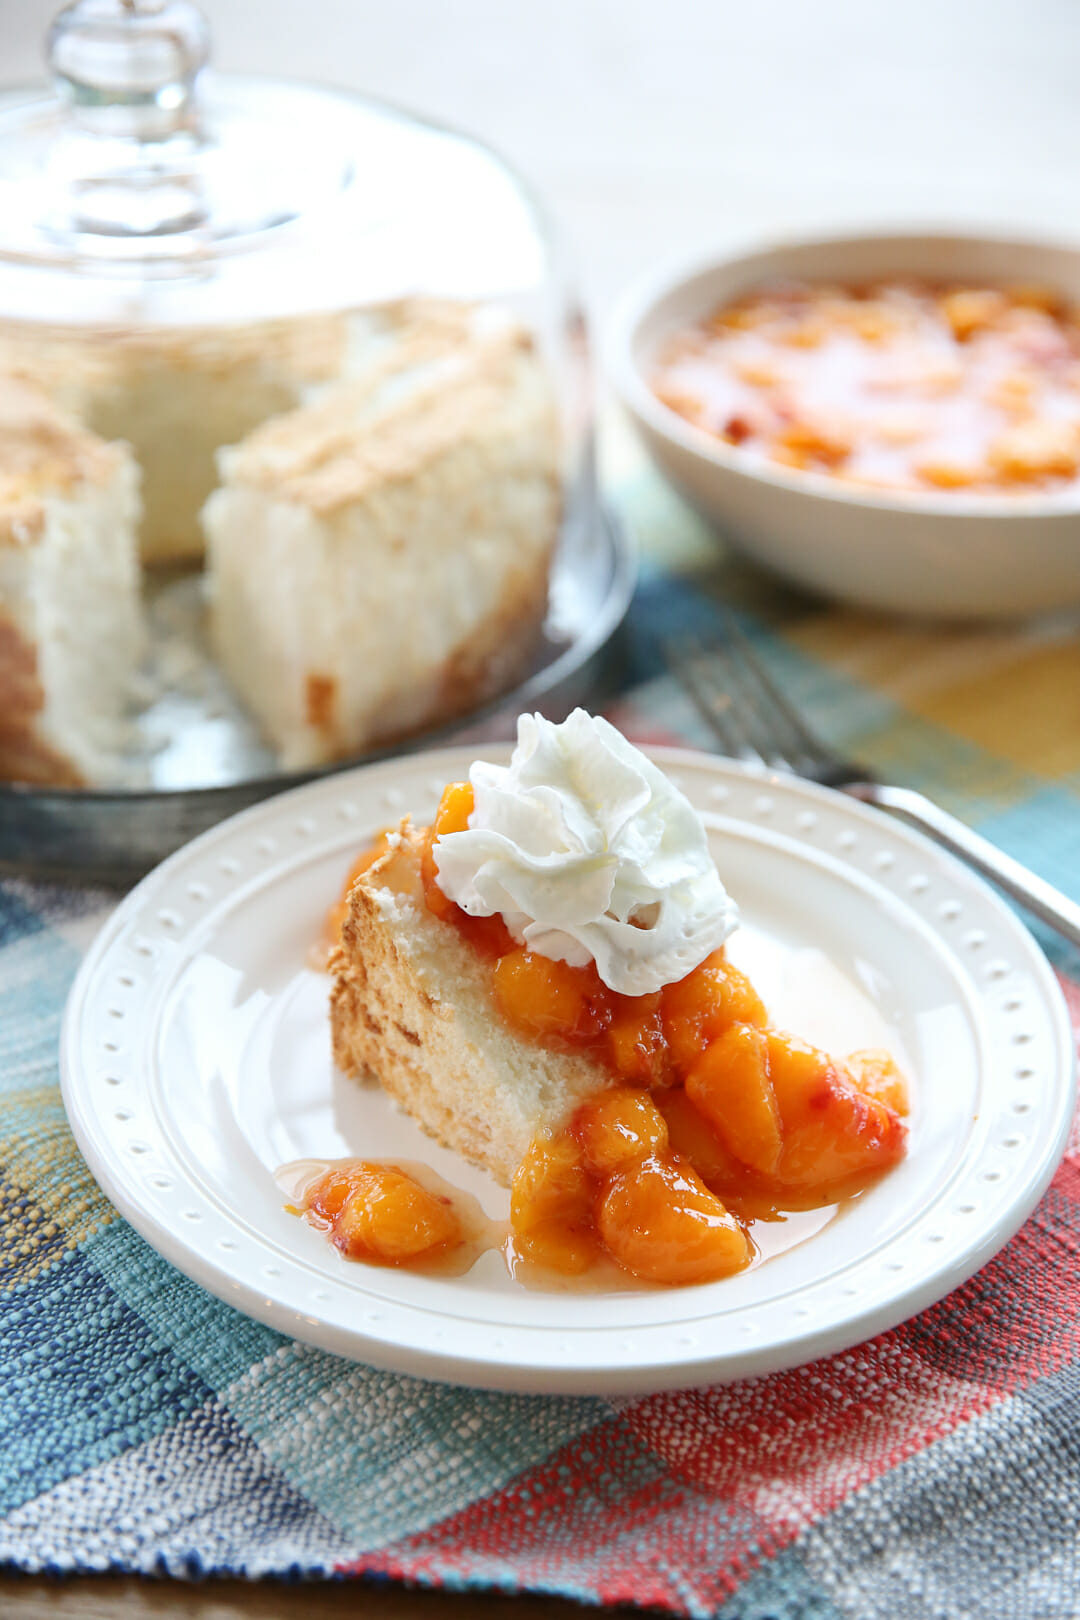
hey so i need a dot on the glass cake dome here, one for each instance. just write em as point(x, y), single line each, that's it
point(337, 349)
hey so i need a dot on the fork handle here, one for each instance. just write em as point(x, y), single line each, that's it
point(1041, 898)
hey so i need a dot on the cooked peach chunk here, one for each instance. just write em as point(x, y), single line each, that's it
point(552, 1206)
point(835, 1138)
point(730, 1084)
point(379, 1213)
point(455, 808)
point(1036, 449)
point(945, 474)
point(326, 1197)
point(969, 309)
point(636, 1039)
point(824, 441)
point(660, 1222)
point(691, 1137)
point(875, 1073)
point(551, 1001)
point(701, 1006)
point(618, 1127)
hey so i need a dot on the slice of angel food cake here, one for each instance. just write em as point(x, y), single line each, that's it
point(378, 559)
point(72, 634)
point(540, 980)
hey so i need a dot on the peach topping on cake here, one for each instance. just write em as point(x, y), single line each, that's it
point(649, 1126)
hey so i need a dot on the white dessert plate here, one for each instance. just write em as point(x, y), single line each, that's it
point(196, 1061)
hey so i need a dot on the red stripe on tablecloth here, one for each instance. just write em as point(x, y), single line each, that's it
point(790, 1447)
point(589, 1517)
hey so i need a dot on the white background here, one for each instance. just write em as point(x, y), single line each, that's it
point(656, 125)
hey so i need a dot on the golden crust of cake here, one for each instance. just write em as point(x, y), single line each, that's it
point(337, 450)
point(412, 1006)
point(43, 452)
point(24, 756)
point(66, 361)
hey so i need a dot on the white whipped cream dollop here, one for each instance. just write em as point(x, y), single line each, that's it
point(590, 854)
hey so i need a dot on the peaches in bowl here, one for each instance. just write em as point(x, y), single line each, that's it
point(892, 420)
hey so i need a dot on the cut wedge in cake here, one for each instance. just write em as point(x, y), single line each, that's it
point(176, 397)
point(71, 631)
point(378, 560)
point(540, 979)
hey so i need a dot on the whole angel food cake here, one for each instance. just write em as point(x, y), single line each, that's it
point(540, 978)
point(71, 630)
point(378, 559)
point(177, 396)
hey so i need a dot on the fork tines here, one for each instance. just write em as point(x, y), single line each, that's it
point(741, 703)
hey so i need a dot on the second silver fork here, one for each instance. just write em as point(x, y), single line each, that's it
point(754, 721)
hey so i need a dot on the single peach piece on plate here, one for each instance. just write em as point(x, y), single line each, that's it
point(660, 1222)
point(835, 1138)
point(551, 1001)
point(617, 1128)
point(636, 1040)
point(701, 1006)
point(730, 1084)
point(380, 1213)
point(691, 1137)
point(551, 1206)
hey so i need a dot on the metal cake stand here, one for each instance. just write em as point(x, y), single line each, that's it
point(204, 761)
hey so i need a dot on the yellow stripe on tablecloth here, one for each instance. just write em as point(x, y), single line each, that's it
point(49, 1202)
point(1013, 692)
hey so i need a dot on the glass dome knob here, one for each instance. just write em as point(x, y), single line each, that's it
point(130, 67)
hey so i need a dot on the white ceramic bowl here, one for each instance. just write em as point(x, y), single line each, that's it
point(943, 553)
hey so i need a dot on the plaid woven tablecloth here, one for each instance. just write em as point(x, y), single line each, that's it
point(934, 1471)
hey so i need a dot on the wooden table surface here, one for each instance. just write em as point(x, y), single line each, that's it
point(109, 1597)
point(654, 126)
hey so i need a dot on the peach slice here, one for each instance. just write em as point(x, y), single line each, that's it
point(377, 1212)
point(835, 1138)
point(616, 1128)
point(691, 1137)
point(730, 1084)
point(551, 1206)
point(549, 1001)
point(660, 1222)
point(875, 1074)
point(636, 1039)
point(701, 1006)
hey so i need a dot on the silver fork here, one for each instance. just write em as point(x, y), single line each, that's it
point(754, 721)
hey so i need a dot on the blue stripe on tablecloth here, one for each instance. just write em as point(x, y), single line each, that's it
point(383, 1455)
point(216, 1342)
point(783, 1589)
point(19, 917)
point(198, 1498)
point(380, 1455)
point(36, 970)
point(83, 1378)
point(1044, 830)
point(979, 1526)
